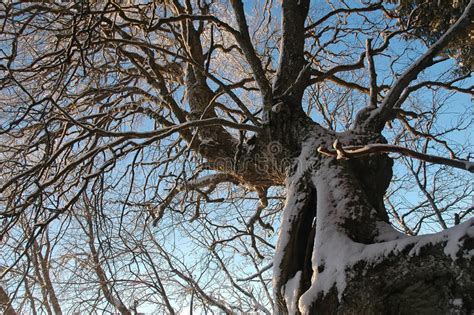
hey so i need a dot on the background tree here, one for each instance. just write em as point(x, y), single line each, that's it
point(429, 20)
point(235, 157)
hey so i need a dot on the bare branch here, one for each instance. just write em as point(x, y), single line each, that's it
point(379, 148)
point(373, 75)
point(378, 117)
point(249, 52)
point(292, 61)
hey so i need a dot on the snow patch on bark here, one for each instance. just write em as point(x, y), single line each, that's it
point(334, 253)
point(294, 201)
point(337, 253)
point(387, 233)
point(291, 293)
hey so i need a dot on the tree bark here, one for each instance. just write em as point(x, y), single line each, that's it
point(5, 303)
point(356, 266)
point(427, 283)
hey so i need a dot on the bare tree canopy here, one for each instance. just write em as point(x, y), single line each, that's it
point(286, 157)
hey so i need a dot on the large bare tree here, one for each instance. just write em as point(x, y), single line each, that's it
point(173, 154)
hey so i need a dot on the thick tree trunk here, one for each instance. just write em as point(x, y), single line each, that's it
point(406, 282)
point(5, 303)
point(336, 251)
point(336, 254)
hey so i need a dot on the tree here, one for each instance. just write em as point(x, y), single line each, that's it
point(147, 145)
point(430, 27)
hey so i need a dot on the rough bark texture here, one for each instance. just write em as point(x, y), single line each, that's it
point(300, 245)
point(429, 283)
point(5, 303)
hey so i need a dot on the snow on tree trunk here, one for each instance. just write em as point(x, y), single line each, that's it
point(336, 254)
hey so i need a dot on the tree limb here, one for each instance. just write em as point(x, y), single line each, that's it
point(358, 151)
point(376, 120)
